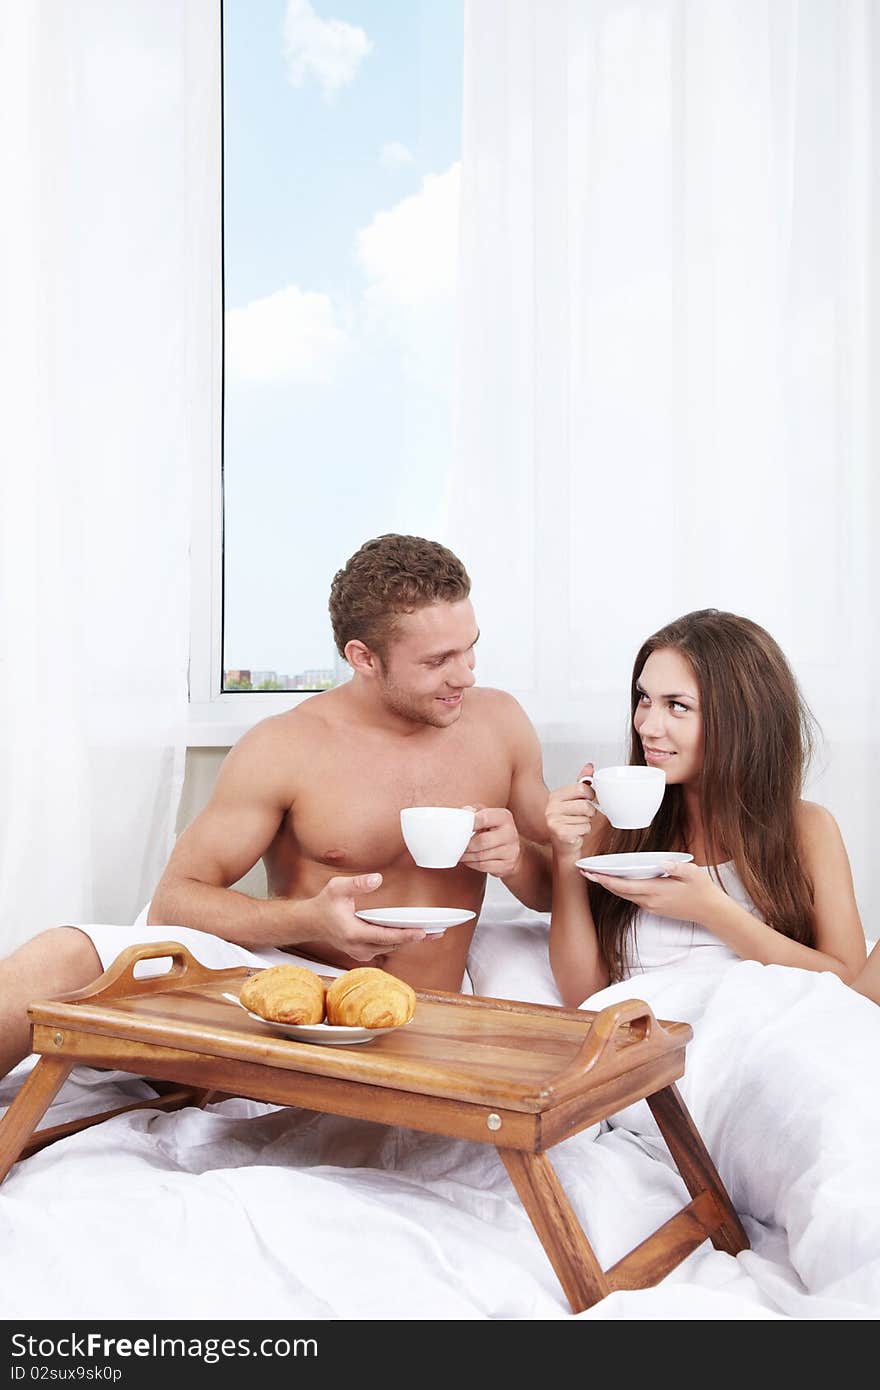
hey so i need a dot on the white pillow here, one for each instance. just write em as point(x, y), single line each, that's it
point(509, 956)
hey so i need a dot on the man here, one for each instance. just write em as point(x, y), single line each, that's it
point(317, 793)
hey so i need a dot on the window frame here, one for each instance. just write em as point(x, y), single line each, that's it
point(216, 718)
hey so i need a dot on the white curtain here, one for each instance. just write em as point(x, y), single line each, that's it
point(670, 309)
point(94, 507)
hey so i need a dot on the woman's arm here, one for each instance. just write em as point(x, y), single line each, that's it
point(690, 894)
point(575, 959)
point(837, 926)
point(867, 981)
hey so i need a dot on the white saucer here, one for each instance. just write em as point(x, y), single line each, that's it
point(430, 919)
point(647, 864)
point(334, 1035)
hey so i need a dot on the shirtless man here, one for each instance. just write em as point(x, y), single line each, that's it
point(316, 793)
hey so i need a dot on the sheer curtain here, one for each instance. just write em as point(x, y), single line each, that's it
point(94, 470)
point(669, 326)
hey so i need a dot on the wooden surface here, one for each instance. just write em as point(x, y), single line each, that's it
point(678, 1237)
point(499, 1053)
point(175, 1099)
point(284, 1086)
point(519, 1076)
point(557, 1228)
point(696, 1167)
point(31, 1103)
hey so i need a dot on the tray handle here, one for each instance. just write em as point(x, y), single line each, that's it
point(633, 1015)
point(119, 978)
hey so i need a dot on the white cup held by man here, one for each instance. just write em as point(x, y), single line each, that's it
point(629, 796)
point(436, 836)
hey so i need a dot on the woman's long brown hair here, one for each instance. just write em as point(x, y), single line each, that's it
point(757, 741)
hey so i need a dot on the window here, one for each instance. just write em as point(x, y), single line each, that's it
point(341, 143)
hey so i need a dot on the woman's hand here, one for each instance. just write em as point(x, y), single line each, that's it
point(687, 892)
point(569, 813)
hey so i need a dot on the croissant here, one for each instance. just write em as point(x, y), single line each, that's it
point(370, 998)
point(285, 994)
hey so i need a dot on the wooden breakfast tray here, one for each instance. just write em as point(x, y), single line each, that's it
point(518, 1076)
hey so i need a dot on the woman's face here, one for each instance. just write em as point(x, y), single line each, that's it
point(668, 719)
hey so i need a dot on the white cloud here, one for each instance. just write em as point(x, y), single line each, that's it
point(394, 155)
point(327, 49)
point(410, 251)
point(291, 335)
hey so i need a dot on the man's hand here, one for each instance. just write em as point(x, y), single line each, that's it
point(494, 847)
point(334, 913)
point(569, 813)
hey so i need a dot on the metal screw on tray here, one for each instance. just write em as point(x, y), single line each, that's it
point(493, 1121)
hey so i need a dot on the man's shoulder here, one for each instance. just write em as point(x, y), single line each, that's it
point(490, 695)
point(498, 705)
point(274, 755)
point(287, 730)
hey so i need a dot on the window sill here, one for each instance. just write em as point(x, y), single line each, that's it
point(220, 723)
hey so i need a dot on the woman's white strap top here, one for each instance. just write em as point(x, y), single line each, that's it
point(660, 941)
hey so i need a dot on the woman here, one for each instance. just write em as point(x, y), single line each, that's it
point(780, 1073)
point(716, 706)
point(867, 981)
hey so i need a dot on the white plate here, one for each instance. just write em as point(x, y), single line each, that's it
point(430, 919)
point(334, 1035)
point(647, 864)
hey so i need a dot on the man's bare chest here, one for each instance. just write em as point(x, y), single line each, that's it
point(347, 812)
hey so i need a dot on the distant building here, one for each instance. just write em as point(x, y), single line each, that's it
point(317, 678)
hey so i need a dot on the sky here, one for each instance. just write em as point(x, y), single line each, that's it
point(342, 135)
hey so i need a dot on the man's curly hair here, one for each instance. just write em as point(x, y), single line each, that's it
point(388, 576)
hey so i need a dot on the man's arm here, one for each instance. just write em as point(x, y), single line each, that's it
point(252, 794)
point(532, 879)
point(227, 839)
point(512, 842)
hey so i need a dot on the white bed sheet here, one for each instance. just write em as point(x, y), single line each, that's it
point(247, 1211)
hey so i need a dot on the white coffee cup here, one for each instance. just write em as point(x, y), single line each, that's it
point(437, 836)
point(629, 796)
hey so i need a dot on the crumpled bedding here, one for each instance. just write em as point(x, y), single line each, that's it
point(249, 1211)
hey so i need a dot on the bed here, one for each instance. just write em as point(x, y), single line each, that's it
point(305, 1202)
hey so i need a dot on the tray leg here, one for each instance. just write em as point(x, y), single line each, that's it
point(29, 1107)
point(197, 1096)
point(696, 1167)
point(202, 1096)
point(171, 1098)
point(557, 1227)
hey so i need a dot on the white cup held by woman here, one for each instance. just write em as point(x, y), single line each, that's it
point(629, 796)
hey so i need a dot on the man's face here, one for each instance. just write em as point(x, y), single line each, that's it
point(429, 663)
